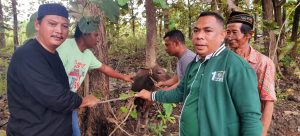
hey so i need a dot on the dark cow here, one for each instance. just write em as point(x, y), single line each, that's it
point(145, 79)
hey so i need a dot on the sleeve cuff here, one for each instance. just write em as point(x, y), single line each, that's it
point(153, 96)
point(78, 103)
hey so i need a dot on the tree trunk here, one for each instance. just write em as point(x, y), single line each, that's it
point(256, 3)
point(269, 35)
point(133, 22)
point(278, 18)
point(190, 19)
point(133, 17)
point(277, 11)
point(255, 29)
point(2, 33)
point(166, 18)
point(160, 20)
point(295, 31)
point(15, 17)
point(151, 33)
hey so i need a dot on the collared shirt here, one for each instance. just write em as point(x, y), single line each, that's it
point(265, 71)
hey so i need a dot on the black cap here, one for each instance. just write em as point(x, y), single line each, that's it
point(52, 9)
point(241, 17)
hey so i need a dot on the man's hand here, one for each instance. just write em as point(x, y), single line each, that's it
point(89, 101)
point(128, 77)
point(144, 94)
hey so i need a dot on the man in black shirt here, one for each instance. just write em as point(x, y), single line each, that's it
point(39, 97)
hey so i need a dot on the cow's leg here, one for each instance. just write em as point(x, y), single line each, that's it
point(138, 125)
point(146, 121)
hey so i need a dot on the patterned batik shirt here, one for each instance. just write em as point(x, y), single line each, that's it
point(265, 71)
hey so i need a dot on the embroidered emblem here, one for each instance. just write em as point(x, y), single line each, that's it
point(218, 76)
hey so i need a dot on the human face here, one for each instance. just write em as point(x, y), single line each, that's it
point(52, 31)
point(90, 39)
point(170, 46)
point(235, 38)
point(208, 35)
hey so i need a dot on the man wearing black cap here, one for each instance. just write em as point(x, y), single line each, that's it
point(239, 33)
point(39, 97)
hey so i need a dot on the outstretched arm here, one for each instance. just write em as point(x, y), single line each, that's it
point(168, 83)
point(107, 70)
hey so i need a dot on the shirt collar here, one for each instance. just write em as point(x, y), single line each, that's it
point(216, 53)
point(252, 56)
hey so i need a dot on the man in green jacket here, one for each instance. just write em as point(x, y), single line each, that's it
point(219, 89)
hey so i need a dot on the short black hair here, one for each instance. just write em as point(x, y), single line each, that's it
point(175, 35)
point(78, 33)
point(40, 19)
point(245, 29)
point(219, 18)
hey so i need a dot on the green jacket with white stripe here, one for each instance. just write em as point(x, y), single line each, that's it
point(227, 101)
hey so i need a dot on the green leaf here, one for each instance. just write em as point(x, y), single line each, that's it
point(140, 2)
point(77, 11)
point(270, 24)
point(30, 29)
point(122, 2)
point(160, 4)
point(172, 24)
point(172, 120)
point(168, 109)
point(133, 114)
point(124, 96)
point(110, 8)
point(98, 94)
point(124, 109)
point(88, 24)
point(125, 7)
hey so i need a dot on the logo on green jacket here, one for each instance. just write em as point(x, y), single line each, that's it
point(218, 76)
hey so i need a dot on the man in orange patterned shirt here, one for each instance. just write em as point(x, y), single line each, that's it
point(239, 33)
